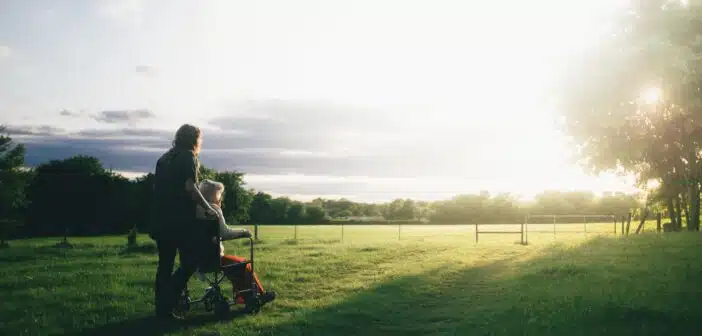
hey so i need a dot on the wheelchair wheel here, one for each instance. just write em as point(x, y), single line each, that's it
point(252, 304)
point(183, 305)
point(221, 308)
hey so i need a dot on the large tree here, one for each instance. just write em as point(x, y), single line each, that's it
point(634, 104)
point(76, 196)
point(12, 183)
point(261, 211)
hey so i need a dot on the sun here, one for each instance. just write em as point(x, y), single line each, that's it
point(651, 95)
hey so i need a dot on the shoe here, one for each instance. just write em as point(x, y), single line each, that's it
point(267, 297)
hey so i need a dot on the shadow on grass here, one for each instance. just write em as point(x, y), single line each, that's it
point(148, 248)
point(596, 288)
point(150, 325)
point(33, 253)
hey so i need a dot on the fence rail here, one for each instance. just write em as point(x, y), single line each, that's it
point(467, 232)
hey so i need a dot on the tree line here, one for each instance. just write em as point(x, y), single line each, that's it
point(79, 196)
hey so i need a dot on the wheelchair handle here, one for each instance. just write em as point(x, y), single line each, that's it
point(251, 245)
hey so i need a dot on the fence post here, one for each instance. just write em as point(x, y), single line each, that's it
point(628, 224)
point(342, 232)
point(623, 222)
point(399, 231)
point(554, 226)
point(615, 225)
point(658, 222)
point(476, 233)
point(295, 231)
point(526, 227)
point(256, 231)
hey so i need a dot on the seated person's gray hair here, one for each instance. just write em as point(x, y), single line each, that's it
point(210, 189)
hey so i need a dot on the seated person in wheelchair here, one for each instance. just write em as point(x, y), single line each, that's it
point(240, 278)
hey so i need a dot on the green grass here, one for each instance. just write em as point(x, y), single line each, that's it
point(423, 285)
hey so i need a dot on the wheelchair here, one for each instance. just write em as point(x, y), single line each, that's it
point(207, 238)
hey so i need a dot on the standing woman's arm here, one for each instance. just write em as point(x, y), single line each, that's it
point(192, 188)
point(227, 232)
point(189, 166)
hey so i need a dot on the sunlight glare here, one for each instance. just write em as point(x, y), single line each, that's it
point(652, 95)
point(653, 184)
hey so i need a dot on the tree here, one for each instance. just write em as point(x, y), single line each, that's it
point(296, 213)
point(261, 209)
point(370, 210)
point(143, 199)
point(75, 194)
point(552, 203)
point(633, 104)
point(503, 208)
point(12, 183)
point(279, 210)
point(423, 209)
point(315, 214)
point(392, 210)
point(463, 209)
point(205, 173)
point(407, 211)
point(617, 205)
point(341, 208)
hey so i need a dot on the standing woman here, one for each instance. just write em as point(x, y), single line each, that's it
point(176, 196)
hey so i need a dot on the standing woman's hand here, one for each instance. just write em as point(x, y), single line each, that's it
point(246, 233)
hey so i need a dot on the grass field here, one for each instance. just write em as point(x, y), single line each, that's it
point(577, 284)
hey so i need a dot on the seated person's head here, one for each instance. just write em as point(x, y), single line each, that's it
point(212, 191)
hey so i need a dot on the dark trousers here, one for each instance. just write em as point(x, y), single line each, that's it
point(169, 285)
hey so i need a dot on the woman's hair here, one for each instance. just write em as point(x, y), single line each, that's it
point(210, 189)
point(186, 137)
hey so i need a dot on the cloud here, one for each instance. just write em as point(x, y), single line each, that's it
point(314, 139)
point(130, 117)
point(273, 137)
point(333, 139)
point(300, 174)
point(287, 137)
point(136, 149)
point(302, 117)
point(124, 11)
point(333, 128)
point(145, 70)
point(44, 130)
point(69, 113)
point(127, 133)
point(5, 51)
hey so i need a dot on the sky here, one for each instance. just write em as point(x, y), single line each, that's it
point(367, 100)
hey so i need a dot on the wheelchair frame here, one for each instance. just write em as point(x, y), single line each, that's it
point(213, 299)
